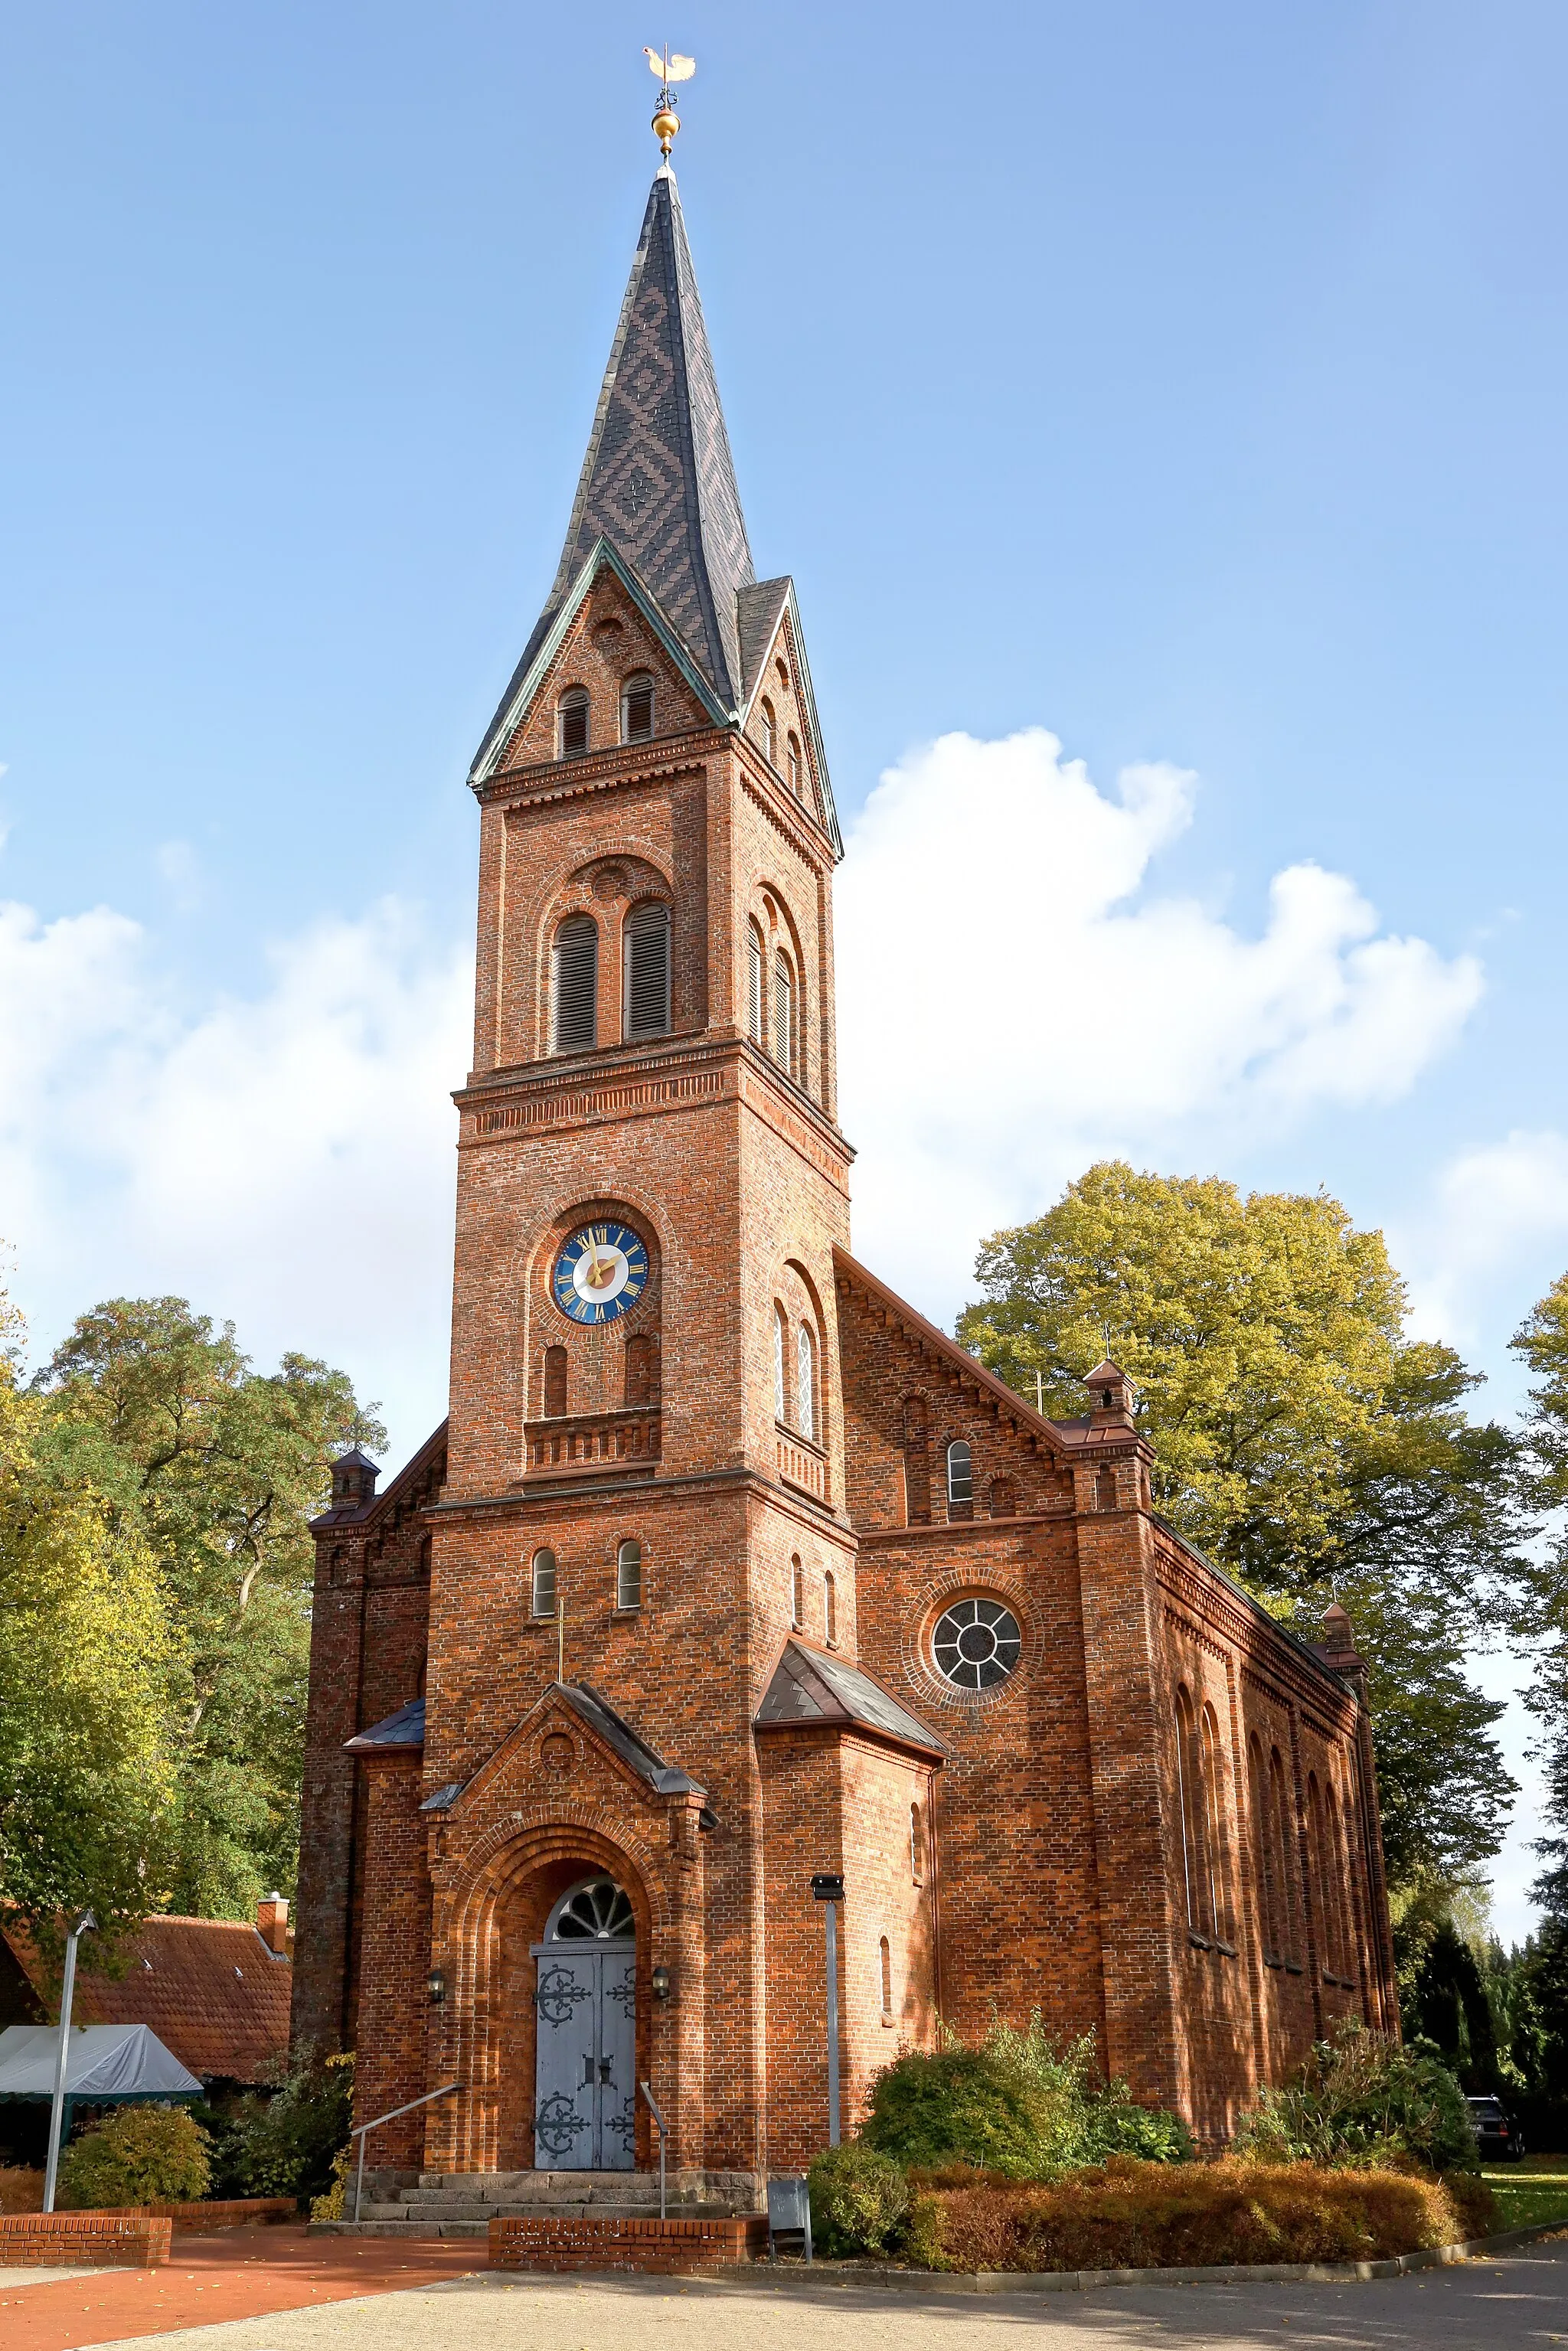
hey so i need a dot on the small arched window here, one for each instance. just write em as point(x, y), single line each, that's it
point(541, 1601)
point(770, 732)
point(641, 1369)
point(960, 1481)
point(1263, 1868)
point(783, 1013)
point(574, 983)
point(637, 708)
point(780, 1383)
point(916, 1846)
point(1279, 1855)
point(1220, 1909)
point(796, 780)
point(796, 1594)
point(756, 1005)
point(555, 1382)
point(646, 985)
point(830, 1609)
point(571, 722)
point(885, 1956)
point(806, 1381)
point(629, 1575)
point(1194, 1838)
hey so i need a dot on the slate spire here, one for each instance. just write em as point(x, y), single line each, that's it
point(658, 481)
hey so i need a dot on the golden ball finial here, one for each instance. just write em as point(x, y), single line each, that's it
point(666, 122)
point(667, 65)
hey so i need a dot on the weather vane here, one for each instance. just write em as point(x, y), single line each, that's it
point(666, 121)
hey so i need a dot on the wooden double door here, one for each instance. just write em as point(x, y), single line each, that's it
point(585, 2097)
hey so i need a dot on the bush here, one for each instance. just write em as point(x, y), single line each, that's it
point(1362, 2098)
point(859, 2199)
point(285, 2144)
point(140, 2155)
point(1130, 2215)
point(1018, 2106)
point(21, 2189)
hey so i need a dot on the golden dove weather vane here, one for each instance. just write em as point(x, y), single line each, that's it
point(666, 121)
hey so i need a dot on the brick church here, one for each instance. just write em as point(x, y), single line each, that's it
point(729, 1568)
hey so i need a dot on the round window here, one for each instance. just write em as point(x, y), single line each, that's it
point(976, 1644)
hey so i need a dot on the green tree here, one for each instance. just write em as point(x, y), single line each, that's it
point(220, 1467)
point(88, 1661)
point(1301, 1440)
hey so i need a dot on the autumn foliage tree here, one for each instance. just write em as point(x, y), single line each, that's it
point(1301, 1439)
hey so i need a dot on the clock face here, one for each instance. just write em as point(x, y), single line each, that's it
point(602, 1271)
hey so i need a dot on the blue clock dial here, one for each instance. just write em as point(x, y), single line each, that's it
point(600, 1273)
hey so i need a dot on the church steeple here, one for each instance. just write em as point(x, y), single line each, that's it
point(658, 482)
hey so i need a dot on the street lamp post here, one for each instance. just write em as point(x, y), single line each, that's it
point(829, 1888)
point(84, 1925)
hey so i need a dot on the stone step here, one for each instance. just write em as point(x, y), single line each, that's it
point(480, 2229)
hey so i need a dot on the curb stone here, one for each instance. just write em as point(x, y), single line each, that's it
point(846, 2275)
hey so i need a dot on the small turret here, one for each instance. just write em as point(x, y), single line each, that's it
point(1114, 1394)
point(354, 1475)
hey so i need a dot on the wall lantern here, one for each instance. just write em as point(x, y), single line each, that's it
point(661, 1981)
point(435, 1983)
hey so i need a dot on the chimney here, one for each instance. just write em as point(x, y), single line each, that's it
point(272, 1923)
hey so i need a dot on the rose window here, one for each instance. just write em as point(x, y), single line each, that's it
point(976, 1644)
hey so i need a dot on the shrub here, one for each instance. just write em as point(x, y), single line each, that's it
point(332, 2205)
point(1362, 2098)
point(285, 2144)
point(1018, 2106)
point(859, 2199)
point(1130, 2215)
point(21, 2189)
point(140, 2155)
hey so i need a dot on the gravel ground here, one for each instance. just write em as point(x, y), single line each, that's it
point(1520, 2300)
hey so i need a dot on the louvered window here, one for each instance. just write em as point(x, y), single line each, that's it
point(576, 983)
point(555, 1381)
point(805, 1382)
point(770, 733)
point(629, 1575)
point(756, 1010)
point(648, 970)
point(783, 1014)
point(796, 784)
point(637, 709)
point(542, 1602)
point(573, 721)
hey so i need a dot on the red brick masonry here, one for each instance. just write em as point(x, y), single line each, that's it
point(576, 2241)
point(237, 2212)
point(79, 2240)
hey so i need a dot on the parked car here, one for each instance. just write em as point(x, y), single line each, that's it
point(1498, 2137)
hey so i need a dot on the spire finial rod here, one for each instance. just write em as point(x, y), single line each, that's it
point(669, 68)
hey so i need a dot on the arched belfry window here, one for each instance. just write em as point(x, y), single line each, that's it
point(770, 732)
point(574, 985)
point(783, 1012)
point(647, 970)
point(806, 1381)
point(571, 722)
point(637, 708)
point(756, 999)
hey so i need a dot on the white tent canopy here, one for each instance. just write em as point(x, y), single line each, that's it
point(108, 2063)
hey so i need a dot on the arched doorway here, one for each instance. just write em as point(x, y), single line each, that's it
point(585, 2090)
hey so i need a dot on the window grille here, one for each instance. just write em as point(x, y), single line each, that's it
point(960, 1479)
point(637, 708)
point(576, 983)
point(555, 1381)
point(648, 970)
point(770, 732)
point(629, 1575)
point(830, 1609)
point(885, 1956)
point(756, 1010)
point(797, 1595)
point(783, 1014)
point(572, 721)
point(542, 1603)
point(780, 1392)
point(796, 784)
point(805, 1382)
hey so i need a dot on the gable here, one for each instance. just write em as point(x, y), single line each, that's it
point(777, 673)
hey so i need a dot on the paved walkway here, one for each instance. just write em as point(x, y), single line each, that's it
point(271, 2290)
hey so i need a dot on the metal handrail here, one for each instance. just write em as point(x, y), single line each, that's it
point(361, 2131)
point(659, 2118)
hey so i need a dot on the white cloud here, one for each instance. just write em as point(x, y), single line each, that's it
point(1012, 1007)
point(1492, 1235)
point(286, 1161)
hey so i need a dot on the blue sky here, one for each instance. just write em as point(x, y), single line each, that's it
point(1187, 384)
